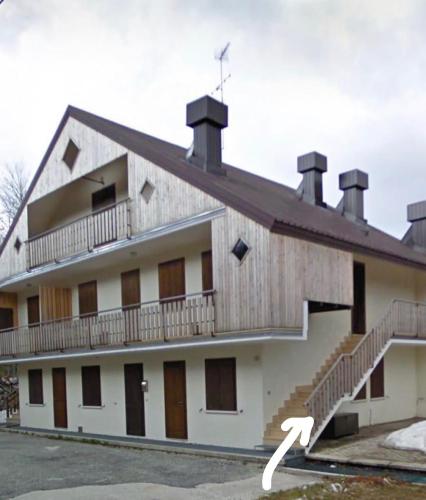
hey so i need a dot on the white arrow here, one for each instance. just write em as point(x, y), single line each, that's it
point(299, 425)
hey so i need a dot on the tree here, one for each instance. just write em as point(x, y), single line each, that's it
point(13, 187)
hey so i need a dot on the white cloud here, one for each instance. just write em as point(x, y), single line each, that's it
point(344, 78)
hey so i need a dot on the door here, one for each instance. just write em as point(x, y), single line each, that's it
point(358, 310)
point(171, 277)
point(88, 299)
point(130, 301)
point(104, 216)
point(33, 310)
point(135, 408)
point(175, 399)
point(6, 318)
point(207, 271)
point(59, 398)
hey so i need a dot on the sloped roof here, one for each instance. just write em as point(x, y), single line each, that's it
point(275, 206)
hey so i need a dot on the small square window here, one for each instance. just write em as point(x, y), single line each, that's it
point(240, 249)
point(17, 244)
point(147, 191)
point(70, 155)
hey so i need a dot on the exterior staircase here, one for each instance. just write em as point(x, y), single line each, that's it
point(346, 370)
point(9, 402)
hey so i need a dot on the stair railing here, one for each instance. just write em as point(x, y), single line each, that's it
point(402, 319)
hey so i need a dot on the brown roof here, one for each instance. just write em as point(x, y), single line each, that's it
point(273, 205)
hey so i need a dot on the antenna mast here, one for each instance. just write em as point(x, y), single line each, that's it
point(221, 56)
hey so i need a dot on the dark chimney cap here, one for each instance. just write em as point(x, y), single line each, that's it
point(416, 211)
point(353, 179)
point(312, 161)
point(207, 109)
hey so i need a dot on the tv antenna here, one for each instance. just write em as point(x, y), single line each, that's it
point(222, 55)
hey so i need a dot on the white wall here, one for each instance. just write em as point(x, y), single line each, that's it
point(241, 429)
point(421, 381)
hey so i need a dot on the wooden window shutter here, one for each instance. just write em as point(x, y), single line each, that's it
point(377, 381)
point(221, 387)
point(362, 394)
point(88, 299)
point(35, 386)
point(207, 270)
point(91, 382)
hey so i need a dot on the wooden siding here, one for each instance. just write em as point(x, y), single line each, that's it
point(171, 200)
point(55, 303)
point(267, 289)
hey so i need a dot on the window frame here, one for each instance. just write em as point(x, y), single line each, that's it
point(91, 399)
point(35, 375)
point(221, 407)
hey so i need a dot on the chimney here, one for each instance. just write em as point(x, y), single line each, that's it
point(353, 183)
point(312, 166)
point(207, 117)
point(416, 234)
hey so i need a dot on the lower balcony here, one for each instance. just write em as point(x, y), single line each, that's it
point(160, 321)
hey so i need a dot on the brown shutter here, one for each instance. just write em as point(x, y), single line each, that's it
point(91, 383)
point(88, 298)
point(377, 381)
point(33, 310)
point(6, 318)
point(221, 390)
point(358, 310)
point(171, 276)
point(130, 288)
point(207, 270)
point(35, 386)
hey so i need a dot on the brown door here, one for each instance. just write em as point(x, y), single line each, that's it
point(6, 318)
point(171, 277)
point(358, 310)
point(33, 310)
point(207, 270)
point(130, 300)
point(175, 399)
point(88, 298)
point(135, 408)
point(59, 398)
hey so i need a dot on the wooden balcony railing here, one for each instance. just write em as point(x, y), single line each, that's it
point(403, 319)
point(179, 317)
point(79, 236)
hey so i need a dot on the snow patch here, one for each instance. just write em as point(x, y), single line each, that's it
point(3, 417)
point(411, 438)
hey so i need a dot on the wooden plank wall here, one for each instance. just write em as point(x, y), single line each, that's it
point(55, 303)
point(171, 200)
point(268, 288)
point(10, 301)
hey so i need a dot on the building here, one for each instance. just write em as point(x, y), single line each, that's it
point(148, 290)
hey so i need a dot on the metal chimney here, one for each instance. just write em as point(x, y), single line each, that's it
point(207, 117)
point(416, 234)
point(312, 166)
point(353, 184)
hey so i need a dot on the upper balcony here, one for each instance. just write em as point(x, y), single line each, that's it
point(83, 215)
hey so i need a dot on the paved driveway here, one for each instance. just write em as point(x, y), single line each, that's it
point(29, 464)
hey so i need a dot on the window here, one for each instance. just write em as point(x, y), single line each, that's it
point(377, 381)
point(207, 271)
point(91, 381)
point(103, 198)
point(240, 249)
point(35, 386)
point(221, 386)
point(17, 245)
point(147, 191)
point(70, 155)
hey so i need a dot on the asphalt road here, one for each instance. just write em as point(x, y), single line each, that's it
point(30, 463)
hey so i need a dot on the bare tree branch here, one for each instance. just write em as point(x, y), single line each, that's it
point(13, 187)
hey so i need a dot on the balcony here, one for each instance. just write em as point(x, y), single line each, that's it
point(79, 236)
point(149, 322)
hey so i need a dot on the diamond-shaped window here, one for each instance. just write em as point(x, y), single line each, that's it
point(70, 155)
point(240, 249)
point(147, 191)
point(17, 244)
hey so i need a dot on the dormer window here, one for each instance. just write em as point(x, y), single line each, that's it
point(70, 155)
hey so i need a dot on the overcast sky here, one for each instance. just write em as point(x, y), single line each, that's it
point(345, 78)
